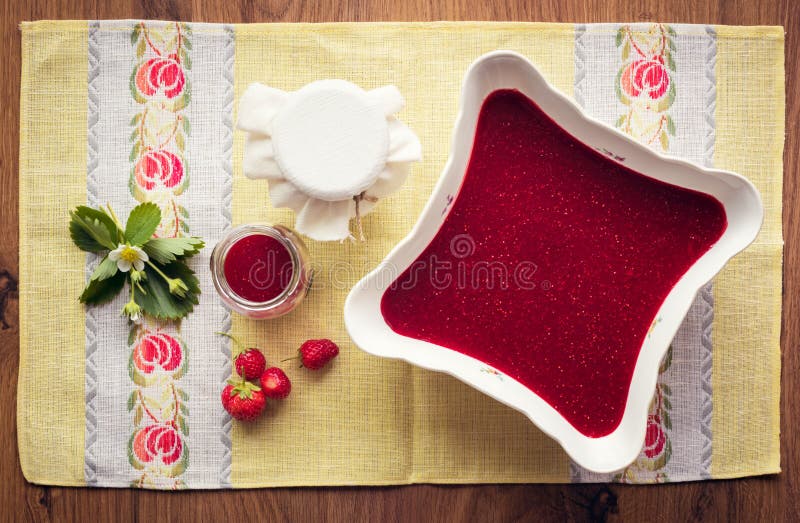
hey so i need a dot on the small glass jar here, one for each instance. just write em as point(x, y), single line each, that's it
point(245, 277)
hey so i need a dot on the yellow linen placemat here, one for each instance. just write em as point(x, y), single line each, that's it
point(364, 421)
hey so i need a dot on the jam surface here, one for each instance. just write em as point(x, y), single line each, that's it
point(552, 263)
point(258, 268)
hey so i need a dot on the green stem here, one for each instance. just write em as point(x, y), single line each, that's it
point(298, 357)
point(155, 268)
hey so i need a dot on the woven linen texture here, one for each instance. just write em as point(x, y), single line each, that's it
point(365, 420)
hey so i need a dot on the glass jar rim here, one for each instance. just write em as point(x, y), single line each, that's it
point(220, 253)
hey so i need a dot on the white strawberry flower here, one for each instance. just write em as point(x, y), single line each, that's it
point(128, 256)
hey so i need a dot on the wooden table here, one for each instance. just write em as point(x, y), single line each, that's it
point(755, 499)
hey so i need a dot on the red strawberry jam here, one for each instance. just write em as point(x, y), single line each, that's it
point(552, 263)
point(258, 268)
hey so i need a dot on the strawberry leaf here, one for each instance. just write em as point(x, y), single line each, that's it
point(166, 250)
point(102, 291)
point(93, 230)
point(106, 269)
point(159, 302)
point(142, 223)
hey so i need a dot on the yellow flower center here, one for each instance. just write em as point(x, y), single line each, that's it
point(129, 255)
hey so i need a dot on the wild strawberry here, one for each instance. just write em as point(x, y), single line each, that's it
point(315, 354)
point(275, 383)
point(243, 400)
point(249, 363)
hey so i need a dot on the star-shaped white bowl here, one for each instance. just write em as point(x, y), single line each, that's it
point(741, 201)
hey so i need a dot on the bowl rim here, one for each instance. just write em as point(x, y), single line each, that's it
point(369, 331)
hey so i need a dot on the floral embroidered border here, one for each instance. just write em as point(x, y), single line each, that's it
point(645, 83)
point(159, 83)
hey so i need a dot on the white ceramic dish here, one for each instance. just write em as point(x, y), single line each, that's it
point(366, 325)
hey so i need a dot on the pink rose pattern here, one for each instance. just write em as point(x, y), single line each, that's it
point(157, 353)
point(158, 443)
point(161, 74)
point(655, 440)
point(158, 447)
point(645, 83)
point(159, 170)
point(648, 77)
